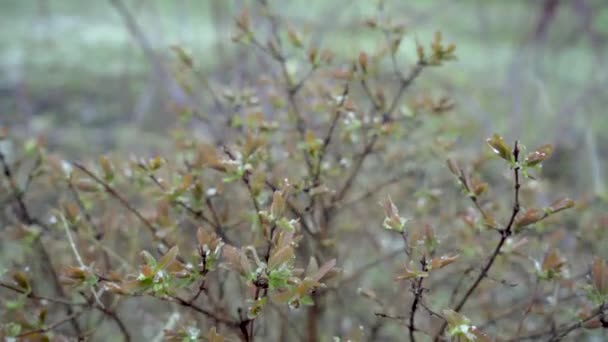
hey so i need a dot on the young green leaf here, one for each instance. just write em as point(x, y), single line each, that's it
point(499, 147)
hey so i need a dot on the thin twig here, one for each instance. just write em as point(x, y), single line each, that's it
point(504, 235)
point(29, 219)
point(51, 326)
point(109, 189)
point(368, 148)
point(30, 294)
point(418, 290)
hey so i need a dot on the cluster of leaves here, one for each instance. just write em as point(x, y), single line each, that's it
point(268, 228)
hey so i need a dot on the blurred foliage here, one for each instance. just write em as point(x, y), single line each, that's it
point(277, 170)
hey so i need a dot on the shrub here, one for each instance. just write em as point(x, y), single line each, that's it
point(270, 227)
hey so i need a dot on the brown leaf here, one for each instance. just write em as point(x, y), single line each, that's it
point(242, 21)
point(312, 55)
point(294, 37)
point(479, 188)
point(71, 211)
point(363, 60)
point(281, 297)
point(214, 336)
point(278, 205)
point(313, 267)
point(162, 213)
point(454, 167)
point(168, 258)
point(410, 273)
point(281, 256)
point(599, 275)
point(553, 262)
point(86, 185)
point(186, 181)
point(252, 144)
point(323, 270)
point(207, 238)
point(539, 155)
point(106, 166)
point(531, 216)
point(480, 335)
point(437, 263)
point(147, 271)
point(232, 256)
point(561, 204)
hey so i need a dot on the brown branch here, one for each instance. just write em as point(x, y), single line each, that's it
point(183, 302)
point(291, 89)
point(71, 317)
point(557, 334)
point(121, 325)
point(109, 189)
point(328, 137)
point(361, 271)
point(27, 217)
point(418, 290)
point(403, 319)
point(17, 193)
point(199, 214)
point(504, 235)
point(404, 84)
point(30, 294)
point(87, 216)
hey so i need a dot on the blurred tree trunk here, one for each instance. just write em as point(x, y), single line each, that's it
point(546, 16)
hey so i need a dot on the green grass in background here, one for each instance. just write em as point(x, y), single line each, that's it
point(86, 75)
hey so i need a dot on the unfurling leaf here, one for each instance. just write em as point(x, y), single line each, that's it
point(86, 185)
point(214, 336)
point(252, 144)
point(561, 204)
point(454, 318)
point(599, 276)
point(183, 56)
point(281, 256)
point(420, 52)
point(243, 21)
point(168, 258)
point(312, 55)
point(236, 260)
point(531, 216)
point(106, 167)
point(294, 37)
point(437, 263)
point(552, 265)
point(454, 167)
point(278, 205)
point(478, 187)
point(461, 329)
point(21, 280)
point(392, 220)
point(363, 60)
point(156, 163)
point(411, 272)
point(539, 155)
point(323, 270)
point(499, 147)
point(75, 275)
point(585, 315)
point(207, 238)
point(148, 258)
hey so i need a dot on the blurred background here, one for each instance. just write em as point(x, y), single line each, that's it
point(91, 76)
